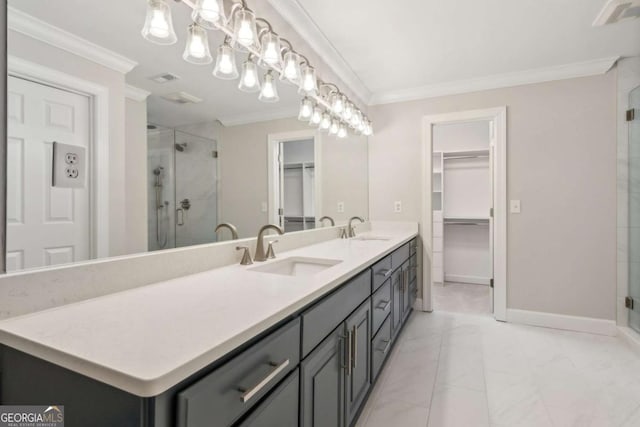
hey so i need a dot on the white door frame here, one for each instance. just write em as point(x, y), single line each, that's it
point(498, 116)
point(99, 162)
point(273, 140)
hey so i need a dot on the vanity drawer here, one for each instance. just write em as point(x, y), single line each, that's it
point(280, 408)
point(380, 346)
point(413, 246)
point(381, 271)
point(399, 256)
point(381, 305)
point(217, 399)
point(322, 318)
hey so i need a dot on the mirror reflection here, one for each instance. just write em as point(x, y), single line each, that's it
point(119, 146)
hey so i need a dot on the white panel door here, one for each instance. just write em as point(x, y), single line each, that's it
point(46, 225)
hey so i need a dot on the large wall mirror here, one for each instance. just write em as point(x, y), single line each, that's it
point(118, 146)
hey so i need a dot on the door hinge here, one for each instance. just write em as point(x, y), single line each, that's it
point(628, 302)
point(631, 115)
point(491, 283)
point(214, 154)
point(491, 213)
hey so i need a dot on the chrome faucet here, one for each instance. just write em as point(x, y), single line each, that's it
point(260, 255)
point(333, 223)
point(231, 227)
point(352, 231)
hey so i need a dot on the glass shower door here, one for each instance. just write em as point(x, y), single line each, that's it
point(634, 211)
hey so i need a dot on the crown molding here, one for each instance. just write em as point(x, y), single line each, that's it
point(37, 29)
point(293, 12)
point(135, 93)
point(260, 116)
point(497, 81)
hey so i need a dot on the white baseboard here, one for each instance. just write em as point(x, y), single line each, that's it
point(475, 280)
point(631, 337)
point(562, 321)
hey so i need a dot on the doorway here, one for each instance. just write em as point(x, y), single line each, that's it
point(633, 297)
point(464, 212)
point(294, 180)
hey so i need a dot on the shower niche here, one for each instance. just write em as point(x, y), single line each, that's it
point(182, 188)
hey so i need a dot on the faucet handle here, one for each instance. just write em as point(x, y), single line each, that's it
point(270, 253)
point(246, 256)
point(343, 232)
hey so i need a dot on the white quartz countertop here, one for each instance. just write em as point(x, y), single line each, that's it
point(148, 339)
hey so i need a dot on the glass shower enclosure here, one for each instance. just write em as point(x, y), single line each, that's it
point(182, 188)
point(633, 300)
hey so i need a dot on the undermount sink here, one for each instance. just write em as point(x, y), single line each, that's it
point(297, 266)
point(372, 238)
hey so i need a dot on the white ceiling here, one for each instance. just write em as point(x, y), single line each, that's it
point(393, 46)
point(116, 25)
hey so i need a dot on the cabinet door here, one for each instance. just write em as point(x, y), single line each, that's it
point(358, 379)
point(323, 384)
point(280, 408)
point(406, 299)
point(396, 284)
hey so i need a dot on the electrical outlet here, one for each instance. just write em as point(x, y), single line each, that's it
point(340, 207)
point(397, 206)
point(514, 206)
point(69, 166)
point(263, 208)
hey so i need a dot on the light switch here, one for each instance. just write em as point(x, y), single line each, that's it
point(397, 206)
point(514, 206)
point(263, 208)
point(340, 207)
point(69, 165)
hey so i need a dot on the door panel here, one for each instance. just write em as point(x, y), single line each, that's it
point(46, 225)
point(359, 377)
point(634, 209)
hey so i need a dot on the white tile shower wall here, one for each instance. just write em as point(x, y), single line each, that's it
point(161, 228)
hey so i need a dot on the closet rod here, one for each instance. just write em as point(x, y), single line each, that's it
point(465, 223)
point(467, 157)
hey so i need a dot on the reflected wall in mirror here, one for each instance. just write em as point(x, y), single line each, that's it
point(170, 151)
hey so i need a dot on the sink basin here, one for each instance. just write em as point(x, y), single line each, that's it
point(297, 266)
point(372, 238)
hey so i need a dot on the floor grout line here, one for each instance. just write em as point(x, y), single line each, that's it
point(435, 382)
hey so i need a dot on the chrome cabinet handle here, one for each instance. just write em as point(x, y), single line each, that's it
point(248, 394)
point(385, 305)
point(354, 343)
point(349, 348)
point(384, 272)
point(386, 347)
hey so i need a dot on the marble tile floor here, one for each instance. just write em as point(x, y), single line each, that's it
point(454, 369)
point(462, 298)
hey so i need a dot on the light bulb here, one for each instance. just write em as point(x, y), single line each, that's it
point(316, 116)
point(308, 81)
point(270, 51)
point(348, 111)
point(269, 92)
point(368, 129)
point(342, 131)
point(225, 63)
point(249, 81)
point(306, 109)
point(333, 129)
point(197, 49)
point(325, 122)
point(158, 26)
point(206, 10)
point(291, 69)
point(337, 104)
point(244, 28)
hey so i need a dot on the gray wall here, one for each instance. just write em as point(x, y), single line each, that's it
point(136, 176)
point(562, 166)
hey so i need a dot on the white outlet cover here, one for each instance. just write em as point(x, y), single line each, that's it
point(514, 206)
point(69, 166)
point(340, 207)
point(263, 207)
point(397, 206)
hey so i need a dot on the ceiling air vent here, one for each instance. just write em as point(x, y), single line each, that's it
point(164, 78)
point(616, 11)
point(182, 98)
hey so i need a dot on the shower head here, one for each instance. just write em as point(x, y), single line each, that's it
point(157, 171)
point(181, 147)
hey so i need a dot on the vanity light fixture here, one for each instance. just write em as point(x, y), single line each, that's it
point(249, 80)
point(269, 92)
point(226, 62)
point(197, 49)
point(324, 104)
point(158, 26)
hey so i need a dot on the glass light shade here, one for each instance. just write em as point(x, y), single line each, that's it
point(291, 68)
point(335, 126)
point(207, 12)
point(356, 120)
point(306, 109)
point(226, 63)
point(249, 81)
point(368, 129)
point(158, 26)
point(270, 49)
point(316, 116)
point(342, 131)
point(269, 92)
point(244, 29)
point(325, 122)
point(197, 49)
point(348, 111)
point(308, 82)
point(337, 103)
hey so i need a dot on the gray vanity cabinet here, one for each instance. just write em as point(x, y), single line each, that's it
point(358, 327)
point(322, 384)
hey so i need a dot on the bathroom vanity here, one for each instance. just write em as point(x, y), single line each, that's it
point(298, 340)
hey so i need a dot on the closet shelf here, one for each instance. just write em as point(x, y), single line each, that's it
point(466, 220)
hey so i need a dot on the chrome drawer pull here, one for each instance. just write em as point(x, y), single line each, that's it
point(349, 348)
point(383, 305)
point(248, 394)
point(384, 272)
point(354, 343)
point(386, 347)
